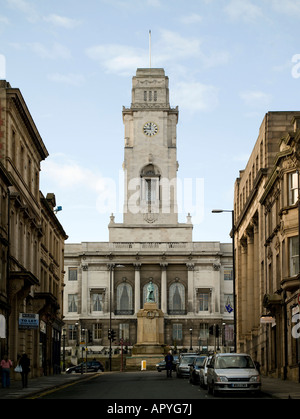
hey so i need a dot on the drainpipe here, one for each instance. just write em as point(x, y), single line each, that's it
point(298, 259)
point(285, 337)
point(8, 270)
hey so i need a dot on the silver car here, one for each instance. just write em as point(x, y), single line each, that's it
point(203, 372)
point(232, 372)
point(183, 367)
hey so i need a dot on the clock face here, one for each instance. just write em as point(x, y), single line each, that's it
point(150, 129)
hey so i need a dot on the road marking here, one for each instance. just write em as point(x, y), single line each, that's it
point(53, 390)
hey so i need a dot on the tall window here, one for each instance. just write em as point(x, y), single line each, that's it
point(203, 301)
point(72, 274)
point(228, 274)
point(97, 328)
point(293, 188)
point(150, 188)
point(124, 299)
point(124, 331)
point(203, 334)
point(294, 256)
point(177, 332)
point(72, 329)
point(177, 298)
point(97, 301)
point(72, 303)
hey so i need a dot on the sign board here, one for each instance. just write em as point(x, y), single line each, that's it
point(28, 321)
point(267, 319)
point(228, 308)
point(2, 327)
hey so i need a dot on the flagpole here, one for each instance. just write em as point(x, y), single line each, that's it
point(150, 48)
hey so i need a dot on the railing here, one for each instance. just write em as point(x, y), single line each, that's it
point(124, 312)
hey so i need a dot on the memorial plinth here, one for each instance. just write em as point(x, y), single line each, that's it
point(150, 344)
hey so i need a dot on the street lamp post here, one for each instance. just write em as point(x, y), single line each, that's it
point(64, 349)
point(191, 336)
point(216, 211)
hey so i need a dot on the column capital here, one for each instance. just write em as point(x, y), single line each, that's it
point(163, 265)
point(190, 266)
point(110, 266)
point(137, 266)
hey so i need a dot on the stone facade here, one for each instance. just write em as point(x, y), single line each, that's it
point(266, 243)
point(192, 280)
point(32, 241)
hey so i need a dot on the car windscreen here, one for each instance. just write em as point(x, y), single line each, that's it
point(187, 360)
point(200, 361)
point(242, 361)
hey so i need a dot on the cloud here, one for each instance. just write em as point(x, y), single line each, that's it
point(67, 177)
point(54, 52)
point(255, 98)
point(196, 96)
point(24, 7)
point(62, 21)
point(4, 20)
point(120, 59)
point(243, 10)
point(191, 19)
point(71, 79)
point(287, 7)
point(171, 48)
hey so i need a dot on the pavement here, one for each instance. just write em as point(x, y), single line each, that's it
point(272, 387)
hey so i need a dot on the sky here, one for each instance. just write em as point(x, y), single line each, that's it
point(229, 62)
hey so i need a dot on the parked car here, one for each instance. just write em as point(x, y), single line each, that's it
point(183, 367)
point(203, 372)
point(195, 368)
point(232, 372)
point(90, 366)
point(161, 366)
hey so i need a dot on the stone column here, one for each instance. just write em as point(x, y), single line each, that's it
point(164, 305)
point(137, 287)
point(190, 268)
point(256, 267)
point(243, 300)
point(110, 270)
point(250, 280)
point(84, 288)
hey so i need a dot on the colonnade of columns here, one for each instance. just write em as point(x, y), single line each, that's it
point(248, 283)
point(164, 293)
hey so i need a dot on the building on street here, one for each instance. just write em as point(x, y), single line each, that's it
point(32, 243)
point(266, 208)
point(106, 281)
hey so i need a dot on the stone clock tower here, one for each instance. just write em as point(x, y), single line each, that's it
point(150, 165)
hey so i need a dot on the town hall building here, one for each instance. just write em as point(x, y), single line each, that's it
point(106, 282)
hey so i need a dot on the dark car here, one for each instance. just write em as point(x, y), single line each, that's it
point(195, 367)
point(90, 366)
point(183, 367)
point(161, 366)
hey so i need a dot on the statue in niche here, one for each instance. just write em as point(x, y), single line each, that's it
point(150, 293)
